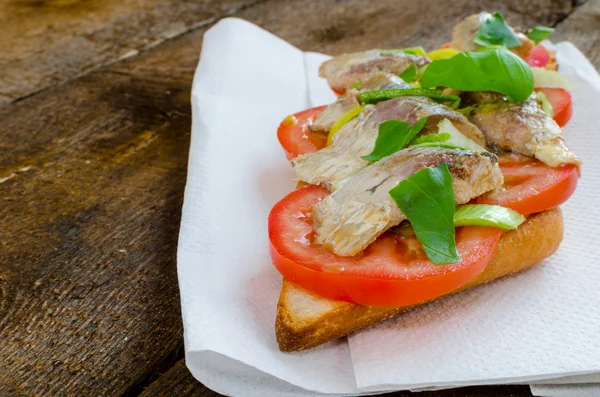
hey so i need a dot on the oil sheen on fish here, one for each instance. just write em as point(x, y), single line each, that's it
point(351, 218)
point(357, 138)
point(345, 70)
point(523, 128)
point(344, 103)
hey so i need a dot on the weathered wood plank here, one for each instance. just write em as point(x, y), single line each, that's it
point(582, 28)
point(178, 381)
point(92, 174)
point(92, 181)
point(335, 27)
point(44, 42)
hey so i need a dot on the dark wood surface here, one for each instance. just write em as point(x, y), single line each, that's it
point(92, 170)
point(46, 42)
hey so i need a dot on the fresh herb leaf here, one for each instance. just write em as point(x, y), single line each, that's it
point(466, 111)
point(443, 137)
point(494, 31)
point(410, 73)
point(487, 215)
point(357, 84)
point(489, 70)
point(371, 97)
point(427, 200)
point(540, 33)
point(393, 135)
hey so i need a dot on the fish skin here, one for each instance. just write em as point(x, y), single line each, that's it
point(344, 103)
point(523, 128)
point(345, 70)
point(357, 138)
point(351, 218)
point(342, 158)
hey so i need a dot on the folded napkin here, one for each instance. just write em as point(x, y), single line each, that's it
point(538, 325)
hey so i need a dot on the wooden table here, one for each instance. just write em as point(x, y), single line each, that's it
point(94, 134)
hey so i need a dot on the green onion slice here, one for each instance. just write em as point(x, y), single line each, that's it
point(487, 215)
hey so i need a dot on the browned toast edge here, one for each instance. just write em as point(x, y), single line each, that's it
point(537, 238)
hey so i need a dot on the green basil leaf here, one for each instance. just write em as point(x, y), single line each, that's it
point(427, 200)
point(494, 31)
point(490, 70)
point(393, 135)
point(487, 215)
point(371, 97)
point(540, 33)
point(410, 73)
point(443, 137)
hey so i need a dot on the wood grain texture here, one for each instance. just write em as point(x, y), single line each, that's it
point(91, 186)
point(92, 174)
point(582, 28)
point(44, 42)
point(178, 381)
point(337, 26)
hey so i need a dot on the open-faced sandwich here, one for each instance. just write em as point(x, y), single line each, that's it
point(431, 173)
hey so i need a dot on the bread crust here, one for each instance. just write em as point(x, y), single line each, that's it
point(537, 238)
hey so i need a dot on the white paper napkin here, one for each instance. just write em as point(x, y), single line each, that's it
point(537, 325)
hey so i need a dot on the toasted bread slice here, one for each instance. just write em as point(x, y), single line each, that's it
point(305, 320)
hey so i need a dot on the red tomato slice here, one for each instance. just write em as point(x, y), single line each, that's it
point(446, 45)
point(338, 91)
point(531, 186)
point(393, 271)
point(561, 102)
point(295, 136)
point(538, 57)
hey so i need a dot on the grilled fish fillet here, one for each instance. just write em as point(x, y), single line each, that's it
point(465, 31)
point(344, 103)
point(523, 128)
point(345, 70)
point(357, 138)
point(351, 218)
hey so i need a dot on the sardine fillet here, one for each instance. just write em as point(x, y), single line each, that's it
point(351, 218)
point(524, 128)
point(344, 103)
point(357, 138)
point(345, 70)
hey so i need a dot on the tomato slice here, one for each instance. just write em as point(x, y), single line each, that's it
point(393, 271)
point(531, 186)
point(539, 56)
point(296, 137)
point(338, 91)
point(561, 102)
